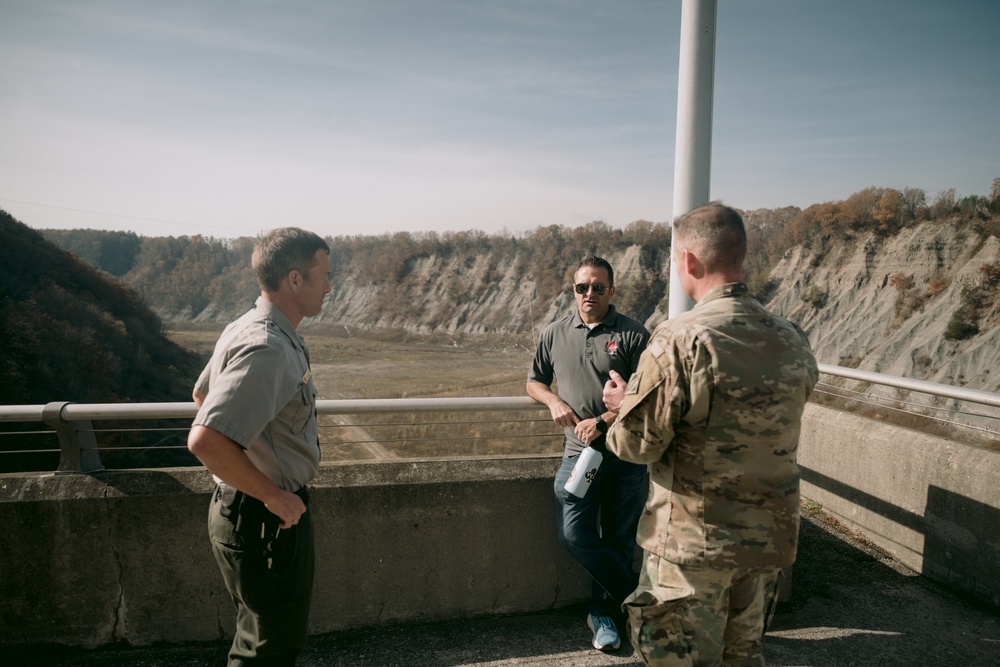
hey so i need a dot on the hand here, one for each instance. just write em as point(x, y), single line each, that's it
point(286, 506)
point(563, 415)
point(587, 431)
point(614, 392)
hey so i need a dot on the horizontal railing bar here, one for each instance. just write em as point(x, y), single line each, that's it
point(98, 411)
point(921, 386)
point(103, 411)
point(31, 451)
point(483, 404)
point(450, 422)
point(489, 436)
point(82, 411)
point(21, 413)
point(855, 395)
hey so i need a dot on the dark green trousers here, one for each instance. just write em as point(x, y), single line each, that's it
point(269, 574)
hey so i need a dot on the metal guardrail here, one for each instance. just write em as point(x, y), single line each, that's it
point(78, 449)
point(921, 386)
point(72, 422)
point(89, 411)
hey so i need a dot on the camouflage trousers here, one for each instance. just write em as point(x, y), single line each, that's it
point(687, 615)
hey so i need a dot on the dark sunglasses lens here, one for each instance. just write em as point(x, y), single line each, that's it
point(582, 288)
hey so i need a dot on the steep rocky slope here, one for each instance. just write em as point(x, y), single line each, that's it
point(468, 295)
point(880, 304)
point(885, 304)
point(890, 303)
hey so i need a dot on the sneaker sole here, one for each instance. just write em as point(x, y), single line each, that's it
point(610, 647)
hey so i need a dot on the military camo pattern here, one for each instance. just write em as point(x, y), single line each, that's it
point(715, 408)
point(684, 615)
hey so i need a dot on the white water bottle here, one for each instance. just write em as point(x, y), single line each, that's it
point(584, 472)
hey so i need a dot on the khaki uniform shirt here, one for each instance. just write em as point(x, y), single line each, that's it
point(259, 392)
point(715, 408)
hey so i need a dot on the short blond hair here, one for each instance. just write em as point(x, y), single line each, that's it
point(715, 234)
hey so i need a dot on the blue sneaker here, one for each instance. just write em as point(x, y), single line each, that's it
point(605, 633)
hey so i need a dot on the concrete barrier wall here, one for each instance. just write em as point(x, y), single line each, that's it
point(93, 559)
point(932, 503)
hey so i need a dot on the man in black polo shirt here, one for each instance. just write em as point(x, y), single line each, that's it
point(580, 351)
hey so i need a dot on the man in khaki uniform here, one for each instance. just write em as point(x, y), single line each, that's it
point(256, 432)
point(714, 408)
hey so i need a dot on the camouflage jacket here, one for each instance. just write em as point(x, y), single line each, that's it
point(715, 408)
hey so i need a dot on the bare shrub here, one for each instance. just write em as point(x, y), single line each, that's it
point(901, 281)
point(990, 274)
point(814, 296)
point(938, 282)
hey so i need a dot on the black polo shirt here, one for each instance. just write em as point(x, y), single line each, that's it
point(580, 360)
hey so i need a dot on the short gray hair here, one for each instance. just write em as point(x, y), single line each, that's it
point(278, 252)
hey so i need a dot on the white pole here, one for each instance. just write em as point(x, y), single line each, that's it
point(693, 155)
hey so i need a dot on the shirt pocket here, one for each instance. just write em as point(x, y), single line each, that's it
point(298, 411)
point(307, 399)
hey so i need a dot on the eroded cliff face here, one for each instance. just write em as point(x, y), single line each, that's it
point(880, 304)
point(884, 304)
point(473, 296)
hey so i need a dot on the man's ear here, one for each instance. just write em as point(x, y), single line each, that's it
point(693, 265)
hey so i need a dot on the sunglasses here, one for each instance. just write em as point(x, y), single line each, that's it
point(583, 288)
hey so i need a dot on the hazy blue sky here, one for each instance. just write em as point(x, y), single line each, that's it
point(223, 118)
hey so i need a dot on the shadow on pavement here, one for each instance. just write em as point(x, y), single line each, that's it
point(852, 604)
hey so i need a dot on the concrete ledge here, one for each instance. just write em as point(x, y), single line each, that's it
point(123, 556)
point(89, 560)
point(932, 503)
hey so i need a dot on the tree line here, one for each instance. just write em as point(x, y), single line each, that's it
point(184, 276)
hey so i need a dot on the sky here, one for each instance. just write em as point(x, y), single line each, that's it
point(225, 118)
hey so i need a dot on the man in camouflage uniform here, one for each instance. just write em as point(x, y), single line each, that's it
point(714, 409)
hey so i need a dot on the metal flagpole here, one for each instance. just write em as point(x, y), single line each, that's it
point(693, 153)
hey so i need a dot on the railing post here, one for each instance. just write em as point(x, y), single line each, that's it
point(77, 443)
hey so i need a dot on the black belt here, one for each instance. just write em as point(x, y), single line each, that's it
point(237, 504)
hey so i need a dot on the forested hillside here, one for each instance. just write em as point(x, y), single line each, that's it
point(73, 333)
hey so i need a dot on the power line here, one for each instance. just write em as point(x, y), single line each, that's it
point(128, 217)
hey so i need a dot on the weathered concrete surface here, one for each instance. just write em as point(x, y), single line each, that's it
point(934, 504)
point(90, 560)
point(123, 556)
point(851, 605)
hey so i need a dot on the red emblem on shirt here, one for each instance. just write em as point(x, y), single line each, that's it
point(611, 346)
